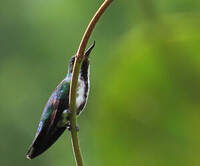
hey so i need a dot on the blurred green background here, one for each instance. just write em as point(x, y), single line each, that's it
point(144, 103)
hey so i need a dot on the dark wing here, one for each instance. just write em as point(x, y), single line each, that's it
point(48, 130)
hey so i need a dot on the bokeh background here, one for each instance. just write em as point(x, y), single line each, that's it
point(144, 103)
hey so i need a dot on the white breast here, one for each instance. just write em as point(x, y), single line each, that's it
point(80, 93)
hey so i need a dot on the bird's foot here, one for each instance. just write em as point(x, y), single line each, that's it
point(66, 114)
point(69, 127)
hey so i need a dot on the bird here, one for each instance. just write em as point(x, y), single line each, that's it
point(56, 114)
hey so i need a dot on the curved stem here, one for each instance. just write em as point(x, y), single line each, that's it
point(91, 27)
point(76, 69)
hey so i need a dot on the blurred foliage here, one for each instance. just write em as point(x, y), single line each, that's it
point(144, 104)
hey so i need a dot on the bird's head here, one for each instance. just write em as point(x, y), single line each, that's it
point(86, 57)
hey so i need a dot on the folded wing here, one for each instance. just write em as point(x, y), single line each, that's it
point(50, 126)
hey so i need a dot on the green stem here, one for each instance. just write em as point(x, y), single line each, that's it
point(76, 69)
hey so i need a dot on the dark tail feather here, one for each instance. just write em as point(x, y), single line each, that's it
point(87, 53)
point(43, 141)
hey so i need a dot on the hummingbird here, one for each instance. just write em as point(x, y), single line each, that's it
point(56, 115)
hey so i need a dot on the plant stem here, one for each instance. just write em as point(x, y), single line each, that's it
point(91, 27)
point(76, 69)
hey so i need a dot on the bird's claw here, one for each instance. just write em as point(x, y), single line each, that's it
point(69, 127)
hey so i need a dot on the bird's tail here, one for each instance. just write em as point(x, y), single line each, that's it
point(43, 141)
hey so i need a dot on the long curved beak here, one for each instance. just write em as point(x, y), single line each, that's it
point(87, 53)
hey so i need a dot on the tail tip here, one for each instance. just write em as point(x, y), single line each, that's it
point(28, 157)
point(29, 154)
